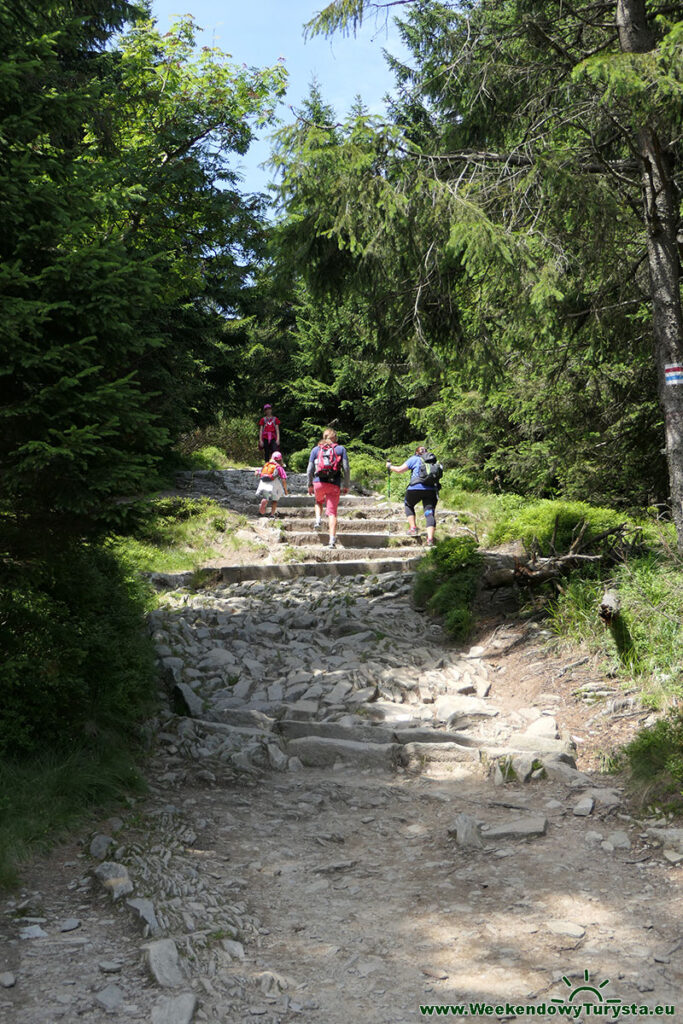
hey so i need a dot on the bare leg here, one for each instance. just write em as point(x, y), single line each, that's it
point(411, 523)
point(430, 532)
point(318, 511)
point(332, 526)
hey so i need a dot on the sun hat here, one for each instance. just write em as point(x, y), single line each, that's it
point(277, 456)
point(267, 406)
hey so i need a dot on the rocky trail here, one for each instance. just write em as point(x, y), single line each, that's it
point(351, 819)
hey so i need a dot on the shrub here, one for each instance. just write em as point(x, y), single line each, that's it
point(446, 584)
point(298, 461)
point(209, 457)
point(537, 521)
point(236, 440)
point(79, 662)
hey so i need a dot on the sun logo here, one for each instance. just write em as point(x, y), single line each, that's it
point(583, 990)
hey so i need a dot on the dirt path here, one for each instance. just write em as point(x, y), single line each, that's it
point(400, 872)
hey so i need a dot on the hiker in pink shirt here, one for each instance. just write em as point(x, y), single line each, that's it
point(269, 432)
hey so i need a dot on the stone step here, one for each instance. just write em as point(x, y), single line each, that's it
point(307, 501)
point(350, 524)
point(352, 567)
point(319, 552)
point(350, 540)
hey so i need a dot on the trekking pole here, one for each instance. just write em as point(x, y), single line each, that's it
point(388, 483)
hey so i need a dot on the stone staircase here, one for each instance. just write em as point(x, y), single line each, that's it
point(371, 531)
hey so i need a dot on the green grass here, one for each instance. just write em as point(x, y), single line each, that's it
point(46, 797)
point(655, 757)
point(177, 534)
point(646, 647)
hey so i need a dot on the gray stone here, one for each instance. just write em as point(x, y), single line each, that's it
point(7, 979)
point(278, 760)
point(303, 710)
point(110, 966)
point(217, 658)
point(70, 924)
point(619, 840)
point(570, 928)
point(320, 752)
point(338, 693)
point(99, 847)
point(526, 827)
point(269, 629)
point(32, 931)
point(543, 726)
point(243, 688)
point(363, 696)
point(540, 745)
point(234, 949)
point(110, 998)
point(175, 1009)
point(671, 838)
point(584, 807)
point(188, 700)
point(605, 797)
point(473, 707)
point(466, 831)
point(114, 878)
point(163, 963)
point(144, 910)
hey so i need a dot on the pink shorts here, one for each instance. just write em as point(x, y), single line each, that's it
point(328, 493)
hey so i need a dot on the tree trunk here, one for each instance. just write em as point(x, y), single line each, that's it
point(660, 214)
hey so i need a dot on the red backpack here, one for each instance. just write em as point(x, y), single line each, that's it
point(269, 471)
point(328, 462)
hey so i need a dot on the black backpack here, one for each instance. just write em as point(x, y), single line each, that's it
point(429, 471)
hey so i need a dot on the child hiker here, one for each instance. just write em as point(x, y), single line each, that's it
point(272, 483)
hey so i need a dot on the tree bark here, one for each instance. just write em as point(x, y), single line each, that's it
point(660, 216)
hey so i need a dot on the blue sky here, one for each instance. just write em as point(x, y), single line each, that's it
point(258, 32)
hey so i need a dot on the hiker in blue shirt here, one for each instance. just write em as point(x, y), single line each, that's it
point(425, 474)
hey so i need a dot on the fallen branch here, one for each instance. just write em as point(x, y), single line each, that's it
point(539, 571)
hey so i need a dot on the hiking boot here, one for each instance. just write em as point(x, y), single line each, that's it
point(412, 532)
point(332, 543)
point(318, 526)
point(431, 543)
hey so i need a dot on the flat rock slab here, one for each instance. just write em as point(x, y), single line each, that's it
point(540, 744)
point(175, 1009)
point(292, 729)
point(164, 965)
point(417, 754)
point(321, 752)
point(570, 928)
point(527, 827)
point(416, 734)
